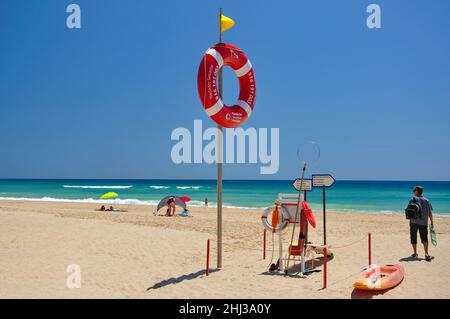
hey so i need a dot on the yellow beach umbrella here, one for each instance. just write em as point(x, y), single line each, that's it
point(109, 195)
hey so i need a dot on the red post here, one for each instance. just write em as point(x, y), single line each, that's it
point(370, 249)
point(264, 243)
point(325, 268)
point(207, 257)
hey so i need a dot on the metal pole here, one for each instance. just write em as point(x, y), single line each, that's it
point(324, 207)
point(280, 250)
point(264, 243)
point(207, 257)
point(302, 265)
point(325, 268)
point(297, 211)
point(370, 248)
point(219, 166)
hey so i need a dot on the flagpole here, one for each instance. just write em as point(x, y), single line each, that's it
point(219, 165)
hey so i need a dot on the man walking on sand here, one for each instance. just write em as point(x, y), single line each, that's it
point(421, 223)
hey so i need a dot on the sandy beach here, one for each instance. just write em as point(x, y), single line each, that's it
point(135, 254)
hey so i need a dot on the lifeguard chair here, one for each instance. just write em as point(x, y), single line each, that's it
point(298, 250)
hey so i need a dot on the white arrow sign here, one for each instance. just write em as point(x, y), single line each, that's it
point(320, 180)
point(305, 185)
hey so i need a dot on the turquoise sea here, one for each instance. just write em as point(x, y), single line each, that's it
point(362, 196)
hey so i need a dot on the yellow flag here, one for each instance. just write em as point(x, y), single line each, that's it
point(226, 23)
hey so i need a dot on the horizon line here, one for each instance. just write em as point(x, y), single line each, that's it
point(205, 179)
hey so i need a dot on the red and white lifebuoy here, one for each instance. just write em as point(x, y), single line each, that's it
point(284, 219)
point(215, 58)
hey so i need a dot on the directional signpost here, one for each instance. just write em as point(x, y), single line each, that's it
point(324, 181)
point(305, 185)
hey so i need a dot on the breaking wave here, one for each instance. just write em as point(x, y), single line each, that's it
point(98, 187)
point(188, 187)
point(116, 201)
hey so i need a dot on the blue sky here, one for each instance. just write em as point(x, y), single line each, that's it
point(102, 101)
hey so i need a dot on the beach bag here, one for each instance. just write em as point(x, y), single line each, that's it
point(414, 210)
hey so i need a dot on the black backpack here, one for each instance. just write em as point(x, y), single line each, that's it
point(414, 209)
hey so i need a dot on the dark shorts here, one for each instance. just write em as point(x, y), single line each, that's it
point(423, 231)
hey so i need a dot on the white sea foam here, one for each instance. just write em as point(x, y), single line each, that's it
point(363, 211)
point(98, 187)
point(188, 187)
point(196, 203)
point(193, 203)
point(159, 187)
point(116, 201)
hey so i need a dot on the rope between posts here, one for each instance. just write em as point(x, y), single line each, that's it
point(348, 245)
point(235, 244)
point(273, 250)
point(276, 250)
point(213, 240)
point(344, 278)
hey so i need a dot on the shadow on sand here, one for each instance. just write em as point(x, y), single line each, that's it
point(365, 294)
point(410, 259)
point(177, 280)
point(295, 270)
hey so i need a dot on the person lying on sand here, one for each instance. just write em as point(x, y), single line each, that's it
point(112, 209)
point(421, 223)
